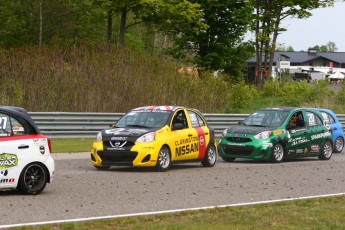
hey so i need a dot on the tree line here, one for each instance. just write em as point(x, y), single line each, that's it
point(207, 33)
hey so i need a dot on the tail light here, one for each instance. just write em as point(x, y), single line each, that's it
point(49, 145)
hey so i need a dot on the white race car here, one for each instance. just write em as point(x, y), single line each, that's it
point(25, 160)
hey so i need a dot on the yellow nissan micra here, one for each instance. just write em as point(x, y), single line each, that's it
point(155, 136)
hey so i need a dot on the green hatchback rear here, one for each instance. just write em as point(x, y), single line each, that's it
point(277, 133)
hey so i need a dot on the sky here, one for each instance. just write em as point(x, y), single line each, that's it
point(325, 25)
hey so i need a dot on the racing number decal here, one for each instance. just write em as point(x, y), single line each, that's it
point(202, 142)
point(3, 122)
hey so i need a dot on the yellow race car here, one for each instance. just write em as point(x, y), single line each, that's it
point(155, 136)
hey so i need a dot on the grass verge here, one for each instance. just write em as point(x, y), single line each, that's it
point(319, 213)
point(68, 145)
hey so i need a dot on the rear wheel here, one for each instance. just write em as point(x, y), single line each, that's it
point(33, 179)
point(338, 145)
point(210, 157)
point(277, 153)
point(163, 160)
point(326, 152)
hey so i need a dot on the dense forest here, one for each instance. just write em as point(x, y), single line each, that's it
point(113, 55)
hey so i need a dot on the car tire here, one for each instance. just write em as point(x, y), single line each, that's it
point(33, 179)
point(102, 167)
point(163, 159)
point(338, 145)
point(210, 158)
point(277, 154)
point(228, 159)
point(327, 151)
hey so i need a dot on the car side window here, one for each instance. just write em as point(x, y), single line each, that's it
point(180, 117)
point(328, 118)
point(297, 121)
point(10, 126)
point(195, 119)
point(313, 120)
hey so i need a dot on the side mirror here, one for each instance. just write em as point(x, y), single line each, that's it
point(177, 126)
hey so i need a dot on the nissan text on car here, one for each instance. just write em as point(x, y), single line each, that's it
point(25, 160)
point(155, 136)
point(277, 133)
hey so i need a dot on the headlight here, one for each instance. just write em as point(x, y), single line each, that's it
point(225, 132)
point(263, 135)
point(99, 137)
point(148, 137)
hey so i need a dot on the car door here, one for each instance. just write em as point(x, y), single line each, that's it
point(202, 130)
point(318, 132)
point(297, 134)
point(186, 140)
point(336, 128)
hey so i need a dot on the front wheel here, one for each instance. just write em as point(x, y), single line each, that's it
point(277, 153)
point(33, 179)
point(326, 152)
point(338, 145)
point(210, 157)
point(163, 160)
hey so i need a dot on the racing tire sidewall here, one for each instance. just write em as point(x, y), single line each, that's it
point(163, 159)
point(33, 170)
point(338, 141)
point(210, 158)
point(327, 151)
point(277, 154)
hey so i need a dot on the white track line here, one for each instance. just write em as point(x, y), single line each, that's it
point(165, 212)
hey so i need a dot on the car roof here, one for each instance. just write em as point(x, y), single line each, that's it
point(286, 109)
point(158, 108)
point(22, 116)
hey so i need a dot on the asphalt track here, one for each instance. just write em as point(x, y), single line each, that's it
point(81, 191)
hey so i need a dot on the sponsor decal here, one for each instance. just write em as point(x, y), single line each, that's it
point(8, 160)
point(42, 150)
point(40, 141)
point(201, 140)
point(7, 180)
point(299, 151)
point(186, 141)
point(277, 132)
point(291, 151)
point(314, 148)
point(114, 131)
point(5, 172)
point(119, 138)
point(187, 149)
point(297, 141)
point(320, 135)
point(305, 150)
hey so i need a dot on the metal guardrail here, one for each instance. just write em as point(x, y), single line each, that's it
point(87, 125)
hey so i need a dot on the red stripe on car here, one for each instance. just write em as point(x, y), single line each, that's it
point(23, 137)
point(202, 142)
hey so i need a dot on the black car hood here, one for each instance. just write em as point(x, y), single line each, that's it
point(242, 129)
point(126, 132)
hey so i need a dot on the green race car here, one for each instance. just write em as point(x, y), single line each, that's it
point(277, 133)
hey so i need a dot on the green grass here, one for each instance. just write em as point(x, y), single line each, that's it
point(68, 145)
point(320, 213)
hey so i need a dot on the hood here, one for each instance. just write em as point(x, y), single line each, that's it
point(242, 129)
point(127, 132)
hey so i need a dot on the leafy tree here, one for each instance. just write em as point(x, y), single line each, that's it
point(219, 44)
point(329, 47)
point(268, 17)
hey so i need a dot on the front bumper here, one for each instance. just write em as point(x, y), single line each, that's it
point(140, 155)
point(253, 150)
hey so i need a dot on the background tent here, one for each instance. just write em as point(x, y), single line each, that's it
point(336, 75)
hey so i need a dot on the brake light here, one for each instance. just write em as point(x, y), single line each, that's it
point(49, 145)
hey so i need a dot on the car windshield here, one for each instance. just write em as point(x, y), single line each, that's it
point(144, 119)
point(266, 118)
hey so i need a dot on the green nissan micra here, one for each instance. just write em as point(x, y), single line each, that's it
point(277, 133)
